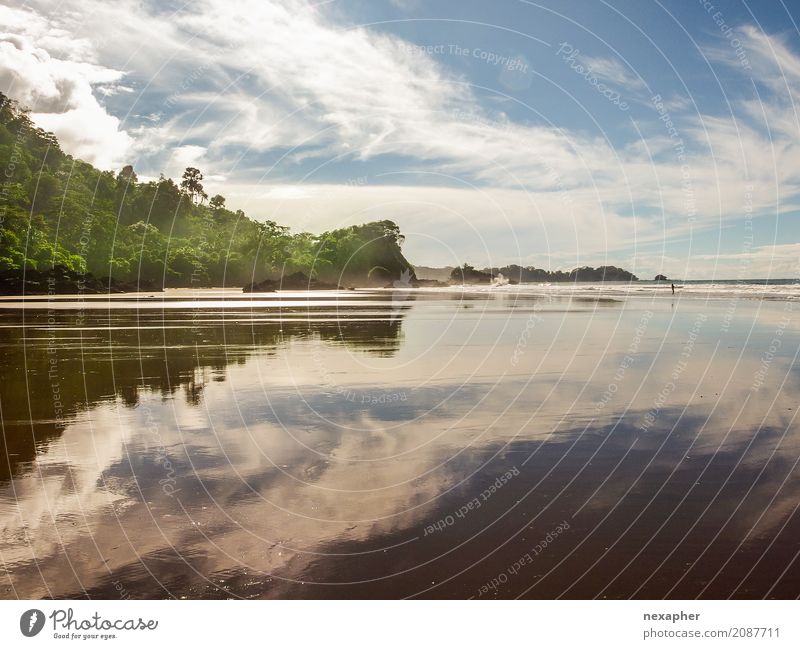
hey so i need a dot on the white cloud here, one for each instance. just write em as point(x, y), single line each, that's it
point(615, 72)
point(59, 91)
point(188, 155)
point(772, 261)
point(356, 93)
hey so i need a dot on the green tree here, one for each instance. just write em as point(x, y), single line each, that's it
point(127, 175)
point(41, 191)
point(58, 210)
point(192, 184)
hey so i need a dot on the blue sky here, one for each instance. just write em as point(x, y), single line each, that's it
point(658, 136)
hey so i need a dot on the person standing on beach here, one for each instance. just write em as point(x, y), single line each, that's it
point(673, 289)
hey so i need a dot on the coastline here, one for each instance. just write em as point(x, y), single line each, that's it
point(782, 289)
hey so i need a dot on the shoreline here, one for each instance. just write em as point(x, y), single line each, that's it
point(615, 291)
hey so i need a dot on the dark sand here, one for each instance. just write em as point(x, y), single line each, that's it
point(400, 443)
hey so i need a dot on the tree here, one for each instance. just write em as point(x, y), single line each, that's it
point(392, 232)
point(192, 183)
point(128, 175)
point(42, 189)
point(55, 210)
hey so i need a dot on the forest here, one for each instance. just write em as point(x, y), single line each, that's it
point(57, 212)
point(467, 274)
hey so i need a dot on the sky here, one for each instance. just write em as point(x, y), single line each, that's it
point(662, 137)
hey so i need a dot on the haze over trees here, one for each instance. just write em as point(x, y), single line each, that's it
point(56, 211)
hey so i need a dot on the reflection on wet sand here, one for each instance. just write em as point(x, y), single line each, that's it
point(398, 445)
point(62, 362)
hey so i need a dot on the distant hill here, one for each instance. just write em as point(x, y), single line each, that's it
point(582, 274)
point(467, 274)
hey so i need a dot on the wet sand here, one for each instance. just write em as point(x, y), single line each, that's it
point(385, 444)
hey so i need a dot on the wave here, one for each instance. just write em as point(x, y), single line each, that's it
point(781, 289)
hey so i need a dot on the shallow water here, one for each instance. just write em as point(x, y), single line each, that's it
point(523, 442)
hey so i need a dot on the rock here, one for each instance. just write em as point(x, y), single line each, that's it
point(294, 282)
point(428, 283)
point(417, 283)
point(59, 280)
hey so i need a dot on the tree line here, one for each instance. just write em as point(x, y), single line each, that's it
point(468, 274)
point(60, 212)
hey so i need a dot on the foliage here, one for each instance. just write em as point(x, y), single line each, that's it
point(55, 210)
point(192, 183)
point(582, 274)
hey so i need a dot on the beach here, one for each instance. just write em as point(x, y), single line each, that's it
point(560, 441)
